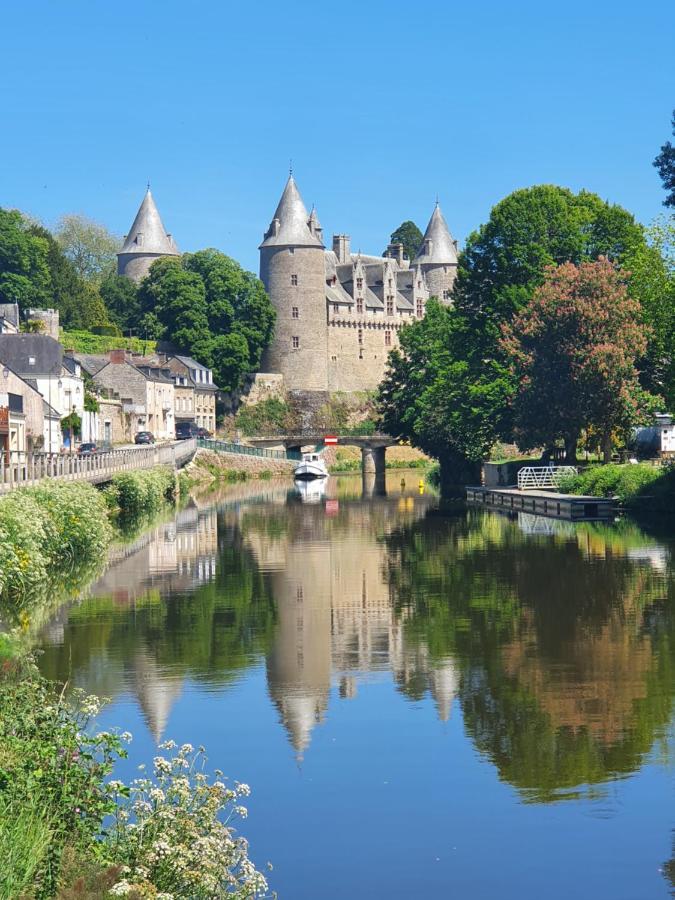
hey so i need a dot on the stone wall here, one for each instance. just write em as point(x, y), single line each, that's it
point(237, 462)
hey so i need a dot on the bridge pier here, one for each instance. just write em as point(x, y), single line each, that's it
point(373, 470)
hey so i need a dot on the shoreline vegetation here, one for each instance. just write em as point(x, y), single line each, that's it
point(639, 487)
point(67, 829)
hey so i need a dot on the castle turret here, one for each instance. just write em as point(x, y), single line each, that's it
point(292, 268)
point(147, 241)
point(437, 257)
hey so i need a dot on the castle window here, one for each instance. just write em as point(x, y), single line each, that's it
point(294, 280)
point(419, 284)
point(295, 312)
point(387, 338)
point(336, 308)
point(359, 305)
point(390, 282)
point(446, 295)
point(359, 283)
point(360, 335)
point(295, 340)
point(420, 309)
point(360, 352)
point(390, 306)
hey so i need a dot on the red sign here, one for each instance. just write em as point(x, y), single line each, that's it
point(332, 507)
point(330, 439)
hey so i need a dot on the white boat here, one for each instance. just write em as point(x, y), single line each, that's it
point(311, 466)
point(311, 490)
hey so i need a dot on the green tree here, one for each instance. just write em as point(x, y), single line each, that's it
point(206, 305)
point(651, 266)
point(573, 350)
point(410, 236)
point(79, 303)
point(443, 396)
point(120, 295)
point(505, 260)
point(89, 246)
point(665, 163)
point(24, 271)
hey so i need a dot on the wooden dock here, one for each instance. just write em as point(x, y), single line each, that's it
point(571, 507)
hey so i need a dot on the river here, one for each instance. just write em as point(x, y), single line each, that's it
point(426, 701)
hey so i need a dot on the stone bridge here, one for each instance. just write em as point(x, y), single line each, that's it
point(373, 448)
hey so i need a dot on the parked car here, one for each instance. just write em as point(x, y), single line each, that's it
point(87, 449)
point(186, 430)
point(203, 433)
point(144, 437)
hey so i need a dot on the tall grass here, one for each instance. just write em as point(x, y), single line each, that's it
point(142, 492)
point(46, 530)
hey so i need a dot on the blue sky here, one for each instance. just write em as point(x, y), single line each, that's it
point(381, 106)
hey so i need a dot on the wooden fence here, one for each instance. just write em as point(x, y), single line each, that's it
point(29, 468)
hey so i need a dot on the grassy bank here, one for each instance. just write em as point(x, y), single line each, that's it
point(86, 342)
point(164, 835)
point(53, 536)
point(640, 486)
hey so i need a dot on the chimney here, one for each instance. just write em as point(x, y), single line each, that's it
point(395, 251)
point(341, 247)
point(117, 356)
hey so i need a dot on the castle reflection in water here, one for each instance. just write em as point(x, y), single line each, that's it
point(323, 561)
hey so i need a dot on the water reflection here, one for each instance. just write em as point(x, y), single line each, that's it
point(556, 641)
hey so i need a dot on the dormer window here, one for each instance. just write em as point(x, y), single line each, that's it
point(359, 283)
point(359, 305)
point(390, 306)
point(139, 239)
point(31, 360)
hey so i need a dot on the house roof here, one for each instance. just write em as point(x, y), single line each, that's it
point(91, 363)
point(17, 351)
point(10, 311)
point(147, 233)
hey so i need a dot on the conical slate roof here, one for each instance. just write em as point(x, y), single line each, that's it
point(438, 246)
point(290, 223)
point(147, 234)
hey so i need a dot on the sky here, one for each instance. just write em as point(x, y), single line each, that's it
point(380, 106)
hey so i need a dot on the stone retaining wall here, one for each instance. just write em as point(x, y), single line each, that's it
point(237, 462)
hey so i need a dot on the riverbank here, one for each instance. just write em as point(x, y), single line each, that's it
point(164, 834)
point(55, 535)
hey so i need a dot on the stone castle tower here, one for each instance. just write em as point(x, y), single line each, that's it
point(339, 313)
point(147, 241)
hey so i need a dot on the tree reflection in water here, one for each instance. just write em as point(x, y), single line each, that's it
point(565, 642)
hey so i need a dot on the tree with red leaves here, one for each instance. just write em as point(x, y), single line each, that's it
point(572, 350)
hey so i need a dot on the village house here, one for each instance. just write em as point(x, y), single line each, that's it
point(22, 415)
point(195, 391)
point(146, 392)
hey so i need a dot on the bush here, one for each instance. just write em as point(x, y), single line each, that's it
point(143, 491)
point(87, 342)
point(270, 416)
point(630, 483)
point(111, 330)
point(45, 530)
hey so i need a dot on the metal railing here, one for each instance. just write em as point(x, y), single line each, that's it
point(532, 478)
point(246, 450)
point(29, 468)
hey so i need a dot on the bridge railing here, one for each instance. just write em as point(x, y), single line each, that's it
point(532, 478)
point(21, 469)
point(246, 450)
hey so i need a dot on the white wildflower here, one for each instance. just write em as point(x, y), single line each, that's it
point(121, 889)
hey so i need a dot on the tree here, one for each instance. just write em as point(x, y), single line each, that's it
point(24, 271)
point(410, 236)
point(120, 295)
point(573, 350)
point(89, 246)
point(651, 267)
point(443, 396)
point(665, 163)
point(505, 260)
point(206, 305)
point(79, 303)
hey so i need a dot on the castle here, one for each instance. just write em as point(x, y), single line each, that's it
point(338, 312)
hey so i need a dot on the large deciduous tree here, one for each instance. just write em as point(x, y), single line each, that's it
point(505, 260)
point(665, 163)
point(120, 295)
point(443, 396)
point(24, 271)
point(410, 236)
point(89, 246)
point(573, 350)
point(206, 305)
